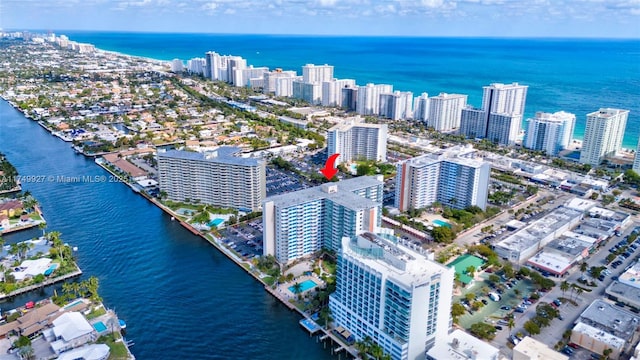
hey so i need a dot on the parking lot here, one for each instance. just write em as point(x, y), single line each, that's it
point(245, 239)
point(280, 182)
point(511, 295)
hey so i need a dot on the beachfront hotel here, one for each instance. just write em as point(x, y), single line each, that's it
point(455, 178)
point(354, 139)
point(550, 132)
point(299, 223)
point(445, 111)
point(396, 295)
point(603, 135)
point(218, 177)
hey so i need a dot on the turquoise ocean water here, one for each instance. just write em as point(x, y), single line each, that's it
point(578, 76)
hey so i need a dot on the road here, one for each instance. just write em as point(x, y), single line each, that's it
point(552, 334)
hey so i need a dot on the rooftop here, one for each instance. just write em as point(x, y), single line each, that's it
point(341, 192)
point(625, 292)
point(464, 155)
point(223, 155)
point(554, 262)
point(355, 121)
point(537, 350)
point(608, 318)
point(611, 340)
point(463, 346)
point(631, 277)
point(539, 229)
point(606, 113)
point(571, 243)
point(388, 254)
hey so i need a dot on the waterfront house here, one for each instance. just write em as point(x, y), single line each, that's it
point(32, 322)
point(88, 352)
point(11, 208)
point(69, 331)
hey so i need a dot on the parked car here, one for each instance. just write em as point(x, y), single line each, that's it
point(505, 308)
point(557, 302)
point(498, 327)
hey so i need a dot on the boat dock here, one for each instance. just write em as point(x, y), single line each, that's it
point(47, 282)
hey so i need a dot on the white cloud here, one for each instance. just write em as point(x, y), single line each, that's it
point(211, 6)
point(327, 3)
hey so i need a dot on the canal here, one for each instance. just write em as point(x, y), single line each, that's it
point(180, 297)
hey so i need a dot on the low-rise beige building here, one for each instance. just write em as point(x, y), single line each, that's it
point(532, 349)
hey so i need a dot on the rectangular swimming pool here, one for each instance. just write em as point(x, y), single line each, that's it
point(304, 286)
point(100, 326)
point(441, 223)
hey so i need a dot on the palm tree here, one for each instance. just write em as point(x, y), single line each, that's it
point(564, 286)
point(583, 267)
point(362, 348)
point(579, 292)
point(56, 243)
point(511, 324)
point(297, 288)
point(92, 287)
point(42, 226)
point(67, 288)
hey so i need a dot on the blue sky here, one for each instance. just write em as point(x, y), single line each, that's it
point(501, 18)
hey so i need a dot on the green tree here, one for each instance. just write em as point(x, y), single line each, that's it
point(470, 270)
point(511, 324)
point(443, 234)
point(56, 243)
point(457, 310)
point(583, 267)
point(483, 330)
point(508, 270)
point(532, 328)
point(42, 226)
point(297, 288)
point(564, 286)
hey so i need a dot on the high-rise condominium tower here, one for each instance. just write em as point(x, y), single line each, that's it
point(397, 296)
point(603, 135)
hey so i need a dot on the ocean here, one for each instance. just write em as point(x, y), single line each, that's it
point(573, 75)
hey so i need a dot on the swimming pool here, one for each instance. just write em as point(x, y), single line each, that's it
point(73, 304)
point(304, 286)
point(100, 326)
point(215, 222)
point(441, 223)
point(50, 269)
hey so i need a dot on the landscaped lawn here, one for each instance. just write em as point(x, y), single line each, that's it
point(118, 349)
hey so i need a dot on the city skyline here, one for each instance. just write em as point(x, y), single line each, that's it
point(465, 18)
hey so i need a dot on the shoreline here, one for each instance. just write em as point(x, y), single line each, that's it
point(629, 147)
point(244, 265)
